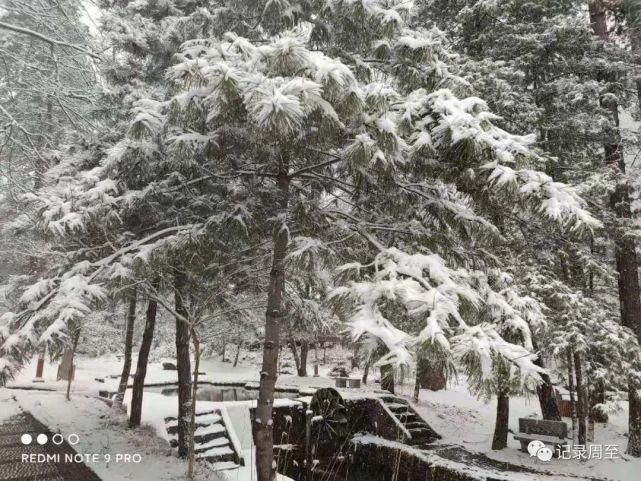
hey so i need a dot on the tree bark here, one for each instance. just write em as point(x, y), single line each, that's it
point(71, 373)
point(634, 420)
point(545, 391)
point(192, 421)
point(292, 346)
point(417, 385)
point(581, 401)
point(143, 359)
point(387, 378)
point(547, 399)
point(571, 389)
point(129, 337)
point(366, 371)
point(598, 20)
point(183, 363)
point(499, 441)
point(304, 351)
point(237, 354)
point(274, 318)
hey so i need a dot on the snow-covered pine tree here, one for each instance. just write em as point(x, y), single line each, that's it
point(536, 61)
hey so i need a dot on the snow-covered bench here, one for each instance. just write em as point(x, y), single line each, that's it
point(348, 382)
point(553, 433)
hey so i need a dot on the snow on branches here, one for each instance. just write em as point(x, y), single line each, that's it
point(445, 302)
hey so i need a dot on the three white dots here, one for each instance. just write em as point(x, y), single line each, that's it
point(42, 439)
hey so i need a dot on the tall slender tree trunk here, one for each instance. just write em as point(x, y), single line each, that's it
point(274, 318)
point(129, 338)
point(143, 359)
point(626, 258)
point(304, 351)
point(192, 422)
point(570, 363)
point(366, 371)
point(499, 441)
point(238, 346)
point(581, 400)
point(292, 346)
point(417, 385)
point(634, 419)
point(183, 363)
point(71, 372)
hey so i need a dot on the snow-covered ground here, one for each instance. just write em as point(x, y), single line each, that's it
point(454, 413)
point(103, 432)
point(463, 419)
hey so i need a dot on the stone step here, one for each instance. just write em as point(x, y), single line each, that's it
point(416, 424)
point(214, 443)
point(422, 436)
point(171, 419)
point(391, 399)
point(407, 417)
point(217, 455)
point(174, 429)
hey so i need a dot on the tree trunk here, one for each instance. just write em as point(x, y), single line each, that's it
point(417, 384)
point(274, 317)
point(129, 338)
point(192, 421)
point(545, 391)
point(237, 354)
point(598, 20)
point(502, 421)
point(547, 399)
point(387, 378)
point(634, 420)
point(143, 359)
point(366, 371)
point(571, 388)
point(183, 363)
point(626, 258)
point(71, 373)
point(41, 362)
point(304, 351)
point(292, 346)
point(224, 349)
point(635, 44)
point(581, 401)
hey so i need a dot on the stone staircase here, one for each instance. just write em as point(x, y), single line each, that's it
point(212, 440)
point(421, 432)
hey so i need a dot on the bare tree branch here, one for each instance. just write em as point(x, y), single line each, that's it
point(50, 41)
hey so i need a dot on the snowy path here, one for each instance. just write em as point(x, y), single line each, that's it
point(13, 468)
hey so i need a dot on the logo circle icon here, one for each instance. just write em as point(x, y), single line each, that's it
point(75, 438)
point(42, 439)
point(26, 439)
point(544, 454)
point(57, 439)
point(534, 447)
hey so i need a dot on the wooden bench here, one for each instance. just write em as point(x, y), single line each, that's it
point(553, 433)
point(348, 382)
